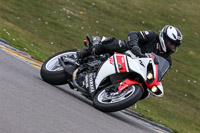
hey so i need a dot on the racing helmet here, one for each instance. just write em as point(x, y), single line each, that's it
point(170, 39)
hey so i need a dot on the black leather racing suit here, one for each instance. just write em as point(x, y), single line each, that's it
point(146, 40)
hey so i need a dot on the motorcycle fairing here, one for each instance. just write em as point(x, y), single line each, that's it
point(120, 63)
point(156, 82)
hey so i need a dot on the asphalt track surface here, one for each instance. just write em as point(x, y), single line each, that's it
point(29, 105)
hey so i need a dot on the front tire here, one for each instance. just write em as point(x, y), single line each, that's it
point(52, 72)
point(128, 97)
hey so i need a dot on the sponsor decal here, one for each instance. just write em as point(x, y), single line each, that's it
point(141, 63)
point(111, 61)
point(121, 63)
point(91, 83)
point(86, 81)
point(122, 87)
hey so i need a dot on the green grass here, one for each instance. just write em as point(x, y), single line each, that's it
point(43, 28)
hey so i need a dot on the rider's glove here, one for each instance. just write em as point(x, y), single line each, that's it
point(136, 50)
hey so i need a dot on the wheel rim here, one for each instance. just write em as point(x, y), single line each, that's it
point(115, 97)
point(54, 65)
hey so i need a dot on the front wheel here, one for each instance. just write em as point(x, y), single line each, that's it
point(115, 101)
point(52, 72)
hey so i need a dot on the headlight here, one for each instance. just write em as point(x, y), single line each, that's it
point(149, 76)
point(154, 89)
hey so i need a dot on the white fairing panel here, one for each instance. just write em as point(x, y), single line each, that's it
point(139, 65)
point(106, 69)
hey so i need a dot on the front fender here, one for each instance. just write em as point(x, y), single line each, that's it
point(127, 83)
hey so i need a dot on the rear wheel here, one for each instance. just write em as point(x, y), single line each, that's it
point(115, 101)
point(52, 72)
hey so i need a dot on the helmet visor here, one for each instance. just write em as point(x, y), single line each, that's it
point(171, 44)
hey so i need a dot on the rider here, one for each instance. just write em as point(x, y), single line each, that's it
point(164, 44)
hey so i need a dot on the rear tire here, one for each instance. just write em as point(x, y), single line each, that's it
point(57, 77)
point(116, 106)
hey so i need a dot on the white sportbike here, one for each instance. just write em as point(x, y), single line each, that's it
point(112, 82)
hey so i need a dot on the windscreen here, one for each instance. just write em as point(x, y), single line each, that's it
point(163, 66)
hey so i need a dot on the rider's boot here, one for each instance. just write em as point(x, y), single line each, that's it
point(88, 51)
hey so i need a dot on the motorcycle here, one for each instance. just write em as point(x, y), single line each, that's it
point(112, 82)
